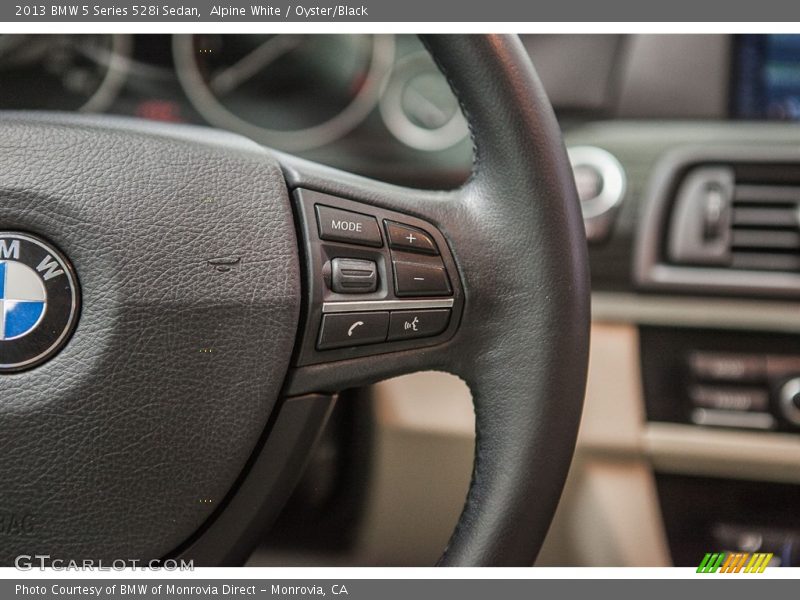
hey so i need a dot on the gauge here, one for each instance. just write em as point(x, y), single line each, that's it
point(294, 92)
point(62, 72)
point(419, 108)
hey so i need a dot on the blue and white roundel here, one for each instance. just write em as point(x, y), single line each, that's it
point(23, 300)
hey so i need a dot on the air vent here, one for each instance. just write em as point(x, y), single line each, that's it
point(719, 222)
point(726, 223)
point(765, 228)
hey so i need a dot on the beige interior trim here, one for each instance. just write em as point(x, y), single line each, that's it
point(713, 452)
point(429, 402)
point(422, 462)
point(608, 517)
point(752, 315)
point(613, 413)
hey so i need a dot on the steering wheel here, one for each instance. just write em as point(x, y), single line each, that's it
point(210, 323)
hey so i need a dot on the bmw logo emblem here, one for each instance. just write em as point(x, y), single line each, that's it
point(38, 301)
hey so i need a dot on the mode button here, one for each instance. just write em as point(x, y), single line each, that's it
point(339, 225)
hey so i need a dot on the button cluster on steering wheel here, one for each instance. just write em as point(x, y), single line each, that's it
point(377, 280)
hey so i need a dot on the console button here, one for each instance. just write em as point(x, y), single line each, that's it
point(781, 366)
point(353, 276)
point(406, 324)
point(352, 329)
point(420, 279)
point(403, 237)
point(719, 366)
point(730, 398)
point(340, 225)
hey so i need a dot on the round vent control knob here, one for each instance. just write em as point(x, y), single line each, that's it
point(600, 182)
point(790, 400)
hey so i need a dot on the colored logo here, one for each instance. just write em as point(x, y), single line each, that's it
point(38, 301)
point(22, 300)
point(734, 562)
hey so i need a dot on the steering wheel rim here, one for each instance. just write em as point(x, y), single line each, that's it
point(516, 235)
point(512, 530)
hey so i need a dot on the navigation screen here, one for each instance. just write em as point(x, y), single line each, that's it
point(767, 77)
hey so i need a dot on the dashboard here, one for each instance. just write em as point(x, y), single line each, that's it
point(373, 104)
point(376, 104)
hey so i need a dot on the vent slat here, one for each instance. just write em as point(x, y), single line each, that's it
point(755, 261)
point(753, 238)
point(766, 217)
point(765, 228)
point(767, 194)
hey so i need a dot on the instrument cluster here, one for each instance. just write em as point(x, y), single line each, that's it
point(332, 98)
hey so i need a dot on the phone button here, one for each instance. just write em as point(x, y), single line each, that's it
point(340, 330)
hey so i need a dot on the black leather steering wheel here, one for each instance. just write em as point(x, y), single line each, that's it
point(157, 430)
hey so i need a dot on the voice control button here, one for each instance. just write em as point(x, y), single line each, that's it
point(407, 324)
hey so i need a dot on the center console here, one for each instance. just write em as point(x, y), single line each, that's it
point(721, 378)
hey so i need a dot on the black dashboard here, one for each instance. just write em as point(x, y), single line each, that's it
point(375, 104)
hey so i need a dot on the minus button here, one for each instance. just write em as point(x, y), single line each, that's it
point(421, 279)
